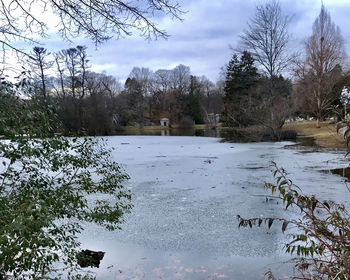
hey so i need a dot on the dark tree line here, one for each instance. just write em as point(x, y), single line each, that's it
point(84, 100)
point(98, 104)
point(175, 94)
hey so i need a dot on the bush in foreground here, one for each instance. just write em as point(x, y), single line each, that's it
point(321, 240)
point(49, 185)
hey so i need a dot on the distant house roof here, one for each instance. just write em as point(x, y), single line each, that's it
point(164, 119)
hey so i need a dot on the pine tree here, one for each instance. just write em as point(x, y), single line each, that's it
point(193, 106)
point(242, 78)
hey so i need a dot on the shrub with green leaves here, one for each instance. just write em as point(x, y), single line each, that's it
point(321, 235)
point(49, 186)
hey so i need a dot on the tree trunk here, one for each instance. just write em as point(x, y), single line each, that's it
point(319, 108)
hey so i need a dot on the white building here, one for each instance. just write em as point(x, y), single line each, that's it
point(164, 122)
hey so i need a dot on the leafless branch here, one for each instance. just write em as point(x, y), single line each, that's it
point(267, 38)
point(98, 20)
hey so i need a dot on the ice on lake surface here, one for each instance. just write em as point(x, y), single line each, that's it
point(187, 192)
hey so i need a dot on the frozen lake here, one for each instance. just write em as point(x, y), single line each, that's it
point(187, 192)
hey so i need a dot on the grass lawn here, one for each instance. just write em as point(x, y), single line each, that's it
point(326, 136)
point(130, 128)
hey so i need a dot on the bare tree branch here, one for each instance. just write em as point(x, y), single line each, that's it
point(322, 68)
point(98, 20)
point(267, 38)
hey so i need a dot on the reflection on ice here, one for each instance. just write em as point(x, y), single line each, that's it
point(187, 193)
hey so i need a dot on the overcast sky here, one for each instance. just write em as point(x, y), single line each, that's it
point(202, 39)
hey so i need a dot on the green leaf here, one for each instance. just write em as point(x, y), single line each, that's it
point(284, 226)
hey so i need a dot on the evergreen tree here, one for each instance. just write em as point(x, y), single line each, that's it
point(193, 104)
point(242, 78)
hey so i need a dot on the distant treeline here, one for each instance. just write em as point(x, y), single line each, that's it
point(98, 104)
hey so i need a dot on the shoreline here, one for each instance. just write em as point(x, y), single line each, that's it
point(325, 137)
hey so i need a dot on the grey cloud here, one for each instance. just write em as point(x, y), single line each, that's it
point(202, 39)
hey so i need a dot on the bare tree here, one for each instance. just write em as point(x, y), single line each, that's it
point(180, 79)
point(100, 104)
point(81, 80)
point(59, 61)
point(83, 63)
point(71, 60)
point(324, 56)
point(163, 79)
point(207, 90)
point(40, 61)
point(267, 38)
point(98, 20)
point(145, 77)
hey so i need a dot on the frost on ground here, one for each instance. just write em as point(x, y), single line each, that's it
point(187, 193)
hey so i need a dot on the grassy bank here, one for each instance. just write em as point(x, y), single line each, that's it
point(326, 136)
point(130, 128)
